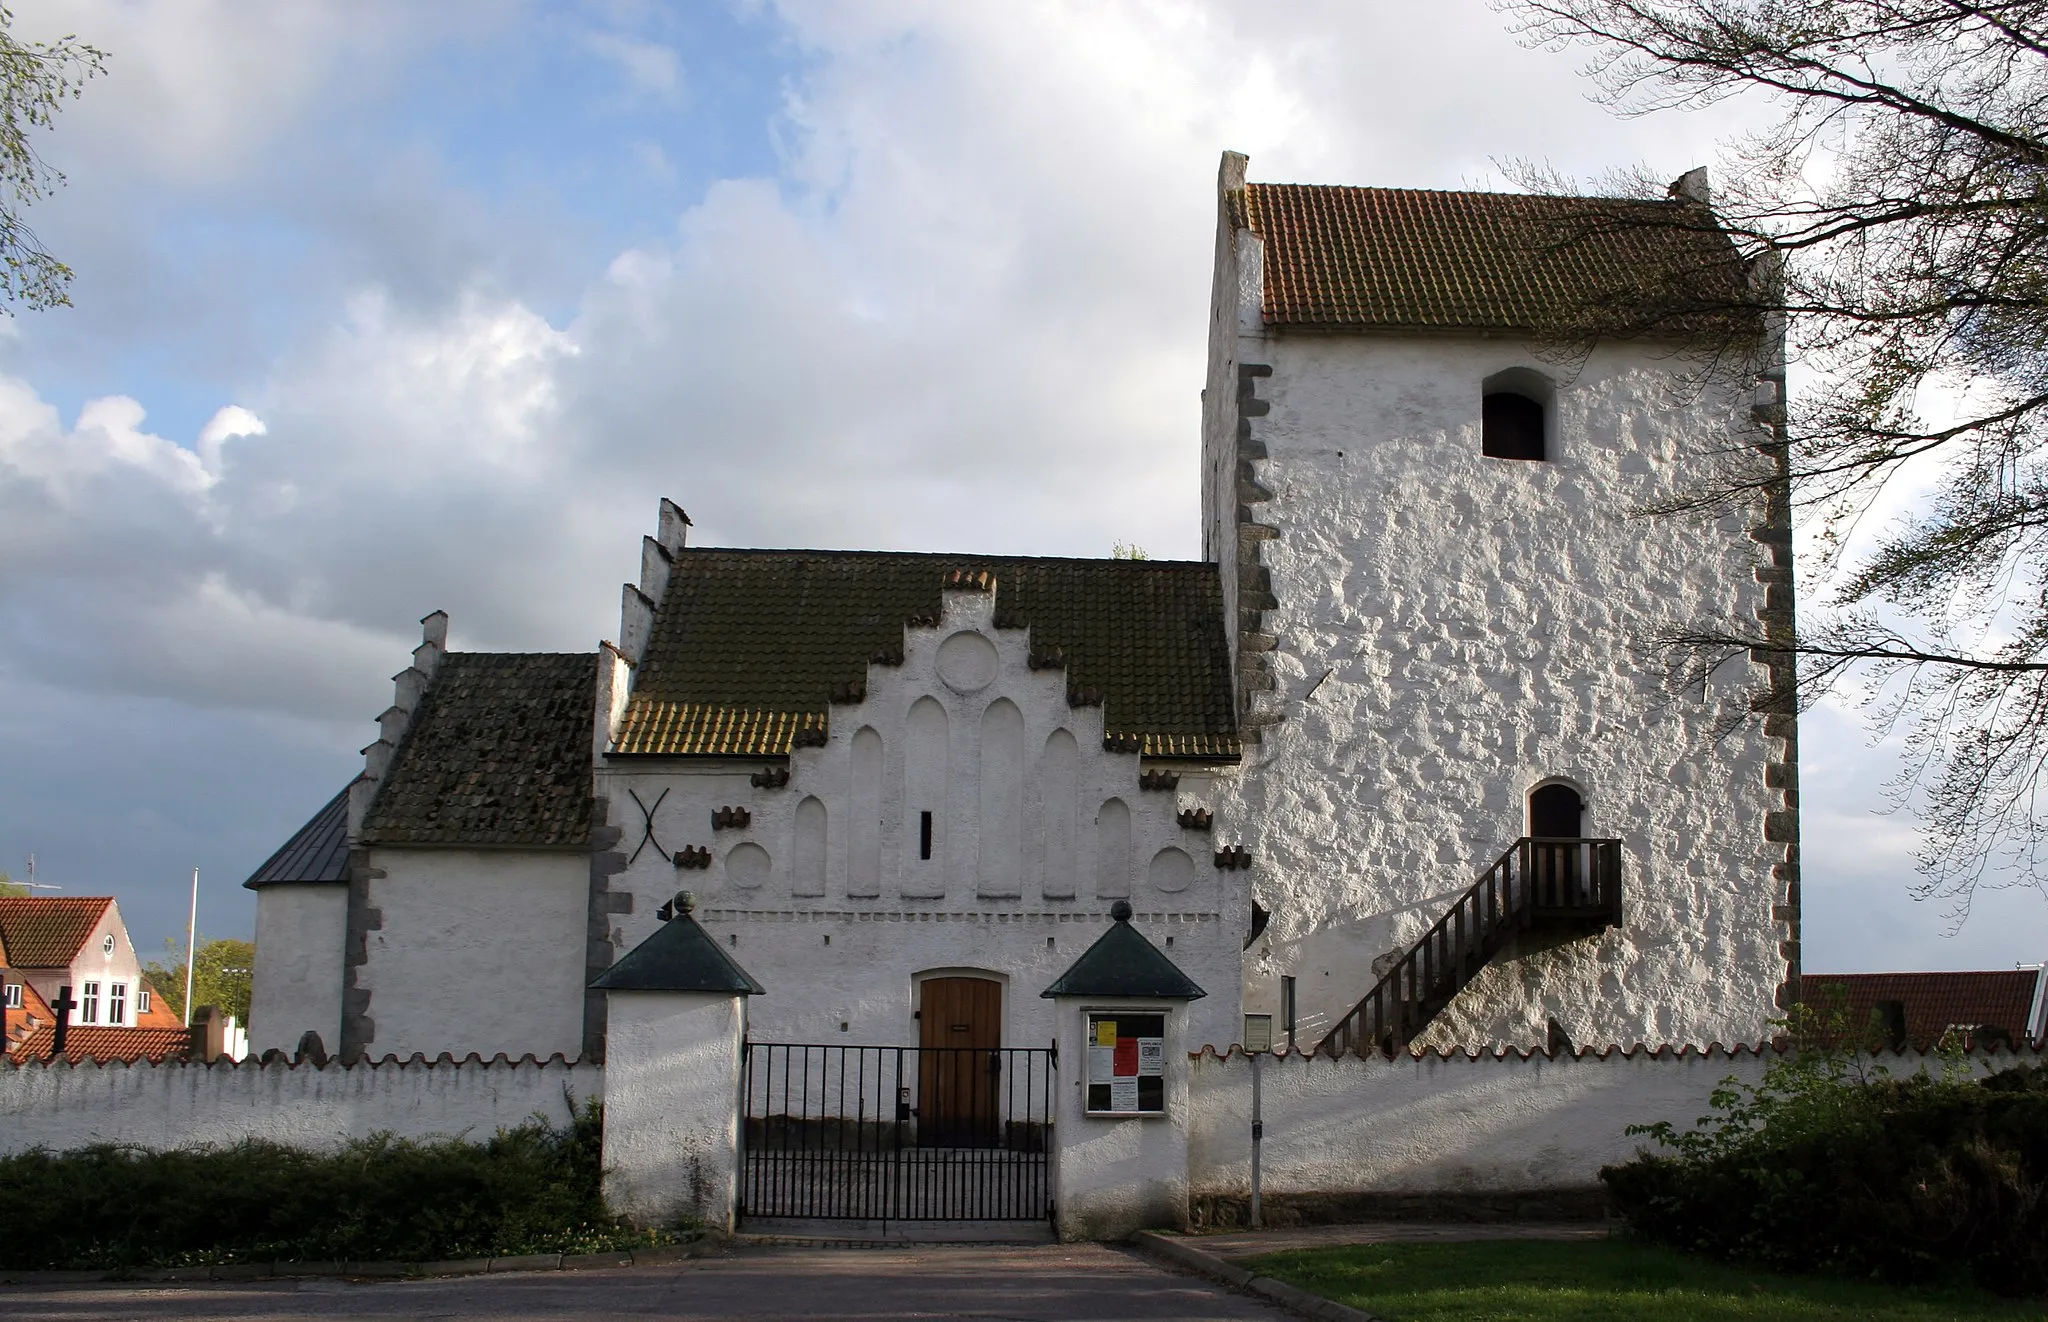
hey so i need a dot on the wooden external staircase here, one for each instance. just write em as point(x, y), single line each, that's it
point(1543, 887)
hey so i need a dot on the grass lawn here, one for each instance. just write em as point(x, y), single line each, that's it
point(1597, 1280)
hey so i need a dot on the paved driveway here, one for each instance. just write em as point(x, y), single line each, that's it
point(1080, 1283)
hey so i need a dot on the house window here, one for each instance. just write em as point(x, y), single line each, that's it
point(924, 835)
point(89, 1005)
point(13, 996)
point(117, 1003)
point(142, 999)
point(107, 944)
point(1514, 408)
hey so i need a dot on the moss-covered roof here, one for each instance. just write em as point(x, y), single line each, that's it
point(498, 754)
point(750, 646)
point(1341, 258)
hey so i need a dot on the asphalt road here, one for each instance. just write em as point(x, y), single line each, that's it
point(1053, 1282)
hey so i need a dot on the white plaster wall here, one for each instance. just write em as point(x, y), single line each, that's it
point(671, 1123)
point(1455, 1124)
point(189, 1105)
point(1111, 1175)
point(296, 988)
point(1021, 904)
point(476, 951)
point(1470, 627)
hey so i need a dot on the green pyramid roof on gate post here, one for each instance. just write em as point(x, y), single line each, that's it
point(1123, 963)
point(681, 956)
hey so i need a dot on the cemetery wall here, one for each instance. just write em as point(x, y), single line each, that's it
point(177, 1104)
point(1450, 1134)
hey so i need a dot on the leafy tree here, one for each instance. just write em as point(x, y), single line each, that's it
point(36, 78)
point(1893, 220)
point(10, 889)
point(1127, 551)
point(221, 979)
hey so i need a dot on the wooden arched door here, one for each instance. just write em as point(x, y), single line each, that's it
point(1557, 866)
point(960, 1033)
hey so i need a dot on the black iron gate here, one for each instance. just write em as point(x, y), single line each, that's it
point(897, 1133)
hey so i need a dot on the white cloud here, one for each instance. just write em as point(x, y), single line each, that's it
point(648, 68)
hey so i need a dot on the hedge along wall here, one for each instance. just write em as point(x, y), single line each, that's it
point(63, 1106)
point(1494, 1135)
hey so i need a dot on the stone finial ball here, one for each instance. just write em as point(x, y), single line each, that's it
point(686, 902)
point(1121, 911)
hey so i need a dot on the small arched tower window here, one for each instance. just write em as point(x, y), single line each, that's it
point(1514, 411)
point(1556, 812)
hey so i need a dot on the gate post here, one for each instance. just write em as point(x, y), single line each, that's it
point(1120, 1129)
point(675, 1038)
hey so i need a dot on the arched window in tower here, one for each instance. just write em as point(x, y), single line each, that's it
point(1556, 812)
point(1514, 415)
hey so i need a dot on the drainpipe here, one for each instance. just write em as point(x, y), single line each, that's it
point(1258, 1137)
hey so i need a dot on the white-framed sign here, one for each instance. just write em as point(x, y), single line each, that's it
point(1126, 1072)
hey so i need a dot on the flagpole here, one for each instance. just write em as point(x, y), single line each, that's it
point(191, 954)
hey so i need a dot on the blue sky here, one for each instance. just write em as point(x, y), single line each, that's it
point(386, 307)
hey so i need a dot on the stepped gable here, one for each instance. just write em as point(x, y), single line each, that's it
point(750, 646)
point(497, 754)
point(45, 932)
point(1343, 258)
point(318, 851)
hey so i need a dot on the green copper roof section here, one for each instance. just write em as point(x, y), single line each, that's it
point(680, 956)
point(750, 646)
point(1123, 963)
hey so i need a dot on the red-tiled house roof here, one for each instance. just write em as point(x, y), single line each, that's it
point(83, 1043)
point(1933, 1003)
point(22, 1024)
point(162, 1011)
point(45, 932)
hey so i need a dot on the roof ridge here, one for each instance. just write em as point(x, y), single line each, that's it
point(1477, 192)
point(958, 557)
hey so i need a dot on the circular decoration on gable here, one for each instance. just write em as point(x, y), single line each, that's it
point(747, 865)
point(1172, 870)
point(107, 944)
point(967, 661)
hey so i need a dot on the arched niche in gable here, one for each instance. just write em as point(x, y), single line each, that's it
point(1001, 870)
point(863, 831)
point(1059, 772)
point(927, 782)
point(1113, 849)
point(808, 857)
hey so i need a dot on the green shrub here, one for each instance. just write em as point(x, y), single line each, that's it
point(533, 1189)
point(1831, 1164)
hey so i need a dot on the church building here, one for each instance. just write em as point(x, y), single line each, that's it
point(1395, 763)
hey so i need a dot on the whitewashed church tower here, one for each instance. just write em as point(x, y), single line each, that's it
point(1443, 597)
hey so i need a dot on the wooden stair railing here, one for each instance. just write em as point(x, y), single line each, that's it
point(1538, 883)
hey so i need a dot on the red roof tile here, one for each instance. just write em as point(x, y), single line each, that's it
point(1340, 258)
point(1934, 1002)
point(107, 1044)
point(46, 932)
